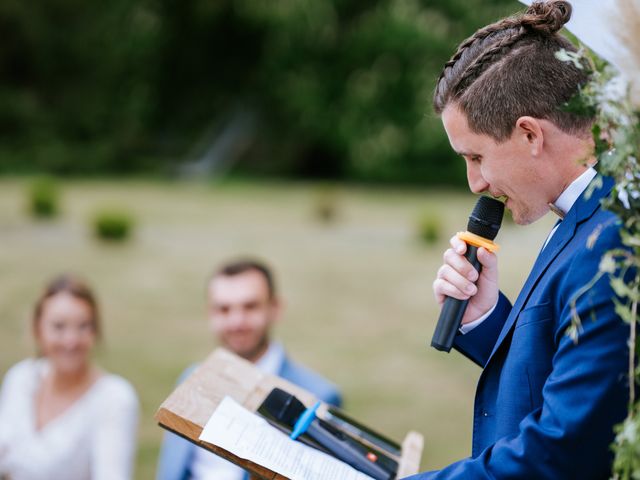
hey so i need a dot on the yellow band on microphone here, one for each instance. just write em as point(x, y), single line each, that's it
point(478, 241)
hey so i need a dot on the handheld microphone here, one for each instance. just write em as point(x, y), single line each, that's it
point(287, 409)
point(483, 226)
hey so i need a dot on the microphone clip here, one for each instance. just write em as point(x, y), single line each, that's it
point(302, 424)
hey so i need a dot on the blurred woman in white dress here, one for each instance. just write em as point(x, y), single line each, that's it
point(61, 416)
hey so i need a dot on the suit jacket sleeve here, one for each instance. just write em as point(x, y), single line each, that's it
point(478, 343)
point(584, 395)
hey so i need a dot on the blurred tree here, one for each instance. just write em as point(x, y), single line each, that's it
point(312, 88)
point(74, 84)
point(343, 87)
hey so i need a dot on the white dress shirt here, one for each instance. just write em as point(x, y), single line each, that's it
point(563, 204)
point(208, 466)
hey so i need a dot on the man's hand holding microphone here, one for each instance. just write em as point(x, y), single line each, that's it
point(466, 285)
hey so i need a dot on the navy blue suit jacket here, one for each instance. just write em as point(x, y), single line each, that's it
point(176, 454)
point(545, 406)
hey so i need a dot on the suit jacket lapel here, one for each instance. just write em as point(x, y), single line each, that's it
point(582, 210)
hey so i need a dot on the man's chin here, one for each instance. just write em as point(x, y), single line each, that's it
point(524, 217)
point(244, 350)
point(240, 350)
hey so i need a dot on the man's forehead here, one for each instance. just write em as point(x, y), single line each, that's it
point(463, 140)
point(456, 125)
point(245, 286)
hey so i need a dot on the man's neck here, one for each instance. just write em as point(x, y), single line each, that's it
point(572, 192)
point(258, 353)
point(272, 359)
point(567, 156)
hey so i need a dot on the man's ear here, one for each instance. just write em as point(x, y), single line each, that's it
point(531, 132)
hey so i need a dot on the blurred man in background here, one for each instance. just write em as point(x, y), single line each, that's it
point(242, 307)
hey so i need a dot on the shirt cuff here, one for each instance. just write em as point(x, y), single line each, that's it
point(467, 327)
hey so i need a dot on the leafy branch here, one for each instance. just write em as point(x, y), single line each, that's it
point(616, 134)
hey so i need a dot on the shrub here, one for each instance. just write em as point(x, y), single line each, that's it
point(44, 198)
point(325, 207)
point(429, 228)
point(113, 225)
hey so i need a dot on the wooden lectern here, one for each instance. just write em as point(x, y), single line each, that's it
point(187, 410)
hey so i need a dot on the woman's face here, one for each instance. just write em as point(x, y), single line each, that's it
point(65, 332)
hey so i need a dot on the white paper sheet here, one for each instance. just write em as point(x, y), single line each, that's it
point(250, 436)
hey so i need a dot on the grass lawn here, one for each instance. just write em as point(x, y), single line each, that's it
point(359, 307)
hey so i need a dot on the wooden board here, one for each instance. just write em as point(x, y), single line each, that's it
point(187, 410)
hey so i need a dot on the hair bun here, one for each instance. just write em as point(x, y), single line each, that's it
point(546, 17)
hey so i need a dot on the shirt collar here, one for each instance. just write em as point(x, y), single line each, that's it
point(272, 360)
point(569, 196)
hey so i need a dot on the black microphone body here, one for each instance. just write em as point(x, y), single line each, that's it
point(453, 310)
point(345, 452)
point(484, 223)
point(287, 409)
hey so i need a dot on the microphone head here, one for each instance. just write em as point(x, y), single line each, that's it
point(486, 218)
point(283, 407)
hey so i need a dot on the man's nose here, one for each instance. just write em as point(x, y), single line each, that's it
point(237, 317)
point(477, 183)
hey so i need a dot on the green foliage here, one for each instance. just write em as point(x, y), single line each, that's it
point(627, 461)
point(74, 84)
point(44, 198)
point(355, 81)
point(341, 88)
point(617, 141)
point(429, 228)
point(113, 224)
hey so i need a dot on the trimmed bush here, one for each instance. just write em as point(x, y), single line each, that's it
point(44, 198)
point(429, 228)
point(325, 207)
point(113, 225)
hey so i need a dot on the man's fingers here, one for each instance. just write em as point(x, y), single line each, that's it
point(459, 246)
point(444, 289)
point(489, 263)
point(488, 259)
point(457, 278)
point(460, 264)
point(451, 283)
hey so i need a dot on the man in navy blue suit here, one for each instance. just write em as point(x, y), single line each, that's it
point(243, 308)
point(545, 406)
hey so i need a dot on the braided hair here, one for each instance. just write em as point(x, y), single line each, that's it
point(509, 69)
